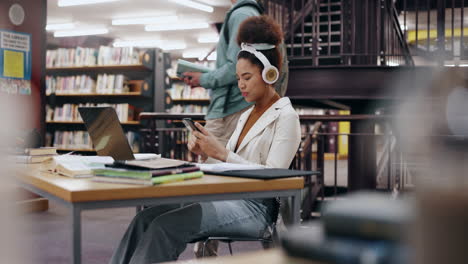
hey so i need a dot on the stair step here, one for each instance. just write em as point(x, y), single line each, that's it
point(331, 4)
point(293, 58)
point(299, 45)
point(320, 34)
point(330, 13)
point(324, 23)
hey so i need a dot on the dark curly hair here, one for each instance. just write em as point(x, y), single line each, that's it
point(261, 29)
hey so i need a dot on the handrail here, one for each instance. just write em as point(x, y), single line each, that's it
point(396, 25)
point(171, 116)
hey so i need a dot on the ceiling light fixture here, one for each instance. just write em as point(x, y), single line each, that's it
point(173, 46)
point(146, 43)
point(208, 39)
point(80, 32)
point(63, 3)
point(144, 20)
point(61, 26)
point(177, 26)
point(195, 5)
point(455, 65)
point(197, 53)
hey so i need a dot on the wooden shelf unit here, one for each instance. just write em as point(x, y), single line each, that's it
point(100, 68)
point(81, 123)
point(145, 92)
point(97, 94)
point(207, 101)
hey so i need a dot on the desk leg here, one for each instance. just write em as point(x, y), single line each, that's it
point(76, 234)
point(296, 207)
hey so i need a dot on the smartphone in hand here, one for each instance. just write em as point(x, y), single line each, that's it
point(190, 124)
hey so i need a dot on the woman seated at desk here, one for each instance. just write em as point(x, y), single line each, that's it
point(267, 134)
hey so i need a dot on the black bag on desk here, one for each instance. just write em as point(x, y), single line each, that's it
point(264, 174)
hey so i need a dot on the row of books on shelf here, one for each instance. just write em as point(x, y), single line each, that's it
point(183, 91)
point(188, 108)
point(80, 140)
point(79, 84)
point(69, 112)
point(81, 57)
point(359, 228)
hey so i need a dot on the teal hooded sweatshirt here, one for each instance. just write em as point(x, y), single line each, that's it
point(224, 76)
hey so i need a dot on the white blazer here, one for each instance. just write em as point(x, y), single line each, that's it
point(272, 141)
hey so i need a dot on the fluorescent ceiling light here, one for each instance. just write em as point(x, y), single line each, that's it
point(177, 26)
point(147, 43)
point(173, 45)
point(192, 4)
point(80, 32)
point(208, 39)
point(61, 26)
point(63, 3)
point(145, 20)
point(194, 54)
point(459, 65)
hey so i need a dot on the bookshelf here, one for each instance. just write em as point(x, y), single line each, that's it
point(184, 99)
point(129, 79)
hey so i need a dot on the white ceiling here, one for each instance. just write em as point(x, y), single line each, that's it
point(102, 14)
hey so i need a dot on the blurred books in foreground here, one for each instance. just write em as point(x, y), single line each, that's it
point(362, 228)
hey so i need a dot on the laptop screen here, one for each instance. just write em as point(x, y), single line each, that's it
point(106, 132)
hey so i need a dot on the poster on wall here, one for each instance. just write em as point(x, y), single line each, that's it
point(15, 62)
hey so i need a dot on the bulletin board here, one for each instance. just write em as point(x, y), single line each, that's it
point(15, 62)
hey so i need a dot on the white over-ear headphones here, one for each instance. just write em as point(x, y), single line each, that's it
point(270, 73)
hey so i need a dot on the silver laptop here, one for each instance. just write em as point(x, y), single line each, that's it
point(106, 132)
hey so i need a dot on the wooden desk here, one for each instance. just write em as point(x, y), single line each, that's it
point(84, 194)
point(270, 256)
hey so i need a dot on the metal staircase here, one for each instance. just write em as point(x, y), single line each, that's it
point(319, 36)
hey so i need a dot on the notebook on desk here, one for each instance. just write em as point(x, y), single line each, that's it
point(252, 171)
point(266, 174)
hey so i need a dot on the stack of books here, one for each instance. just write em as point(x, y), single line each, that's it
point(362, 228)
point(36, 155)
point(146, 177)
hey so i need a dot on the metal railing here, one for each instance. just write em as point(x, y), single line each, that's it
point(435, 30)
point(320, 33)
point(163, 134)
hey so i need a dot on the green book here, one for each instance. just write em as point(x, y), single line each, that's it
point(177, 177)
point(141, 174)
point(149, 181)
point(187, 66)
point(112, 172)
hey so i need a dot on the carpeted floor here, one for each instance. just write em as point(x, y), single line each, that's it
point(47, 236)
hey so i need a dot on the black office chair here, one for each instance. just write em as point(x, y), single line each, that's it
point(229, 240)
point(267, 242)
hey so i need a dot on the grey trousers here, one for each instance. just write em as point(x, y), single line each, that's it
point(161, 233)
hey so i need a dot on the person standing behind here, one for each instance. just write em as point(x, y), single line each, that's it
point(227, 103)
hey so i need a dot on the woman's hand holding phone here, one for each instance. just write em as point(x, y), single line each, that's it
point(209, 144)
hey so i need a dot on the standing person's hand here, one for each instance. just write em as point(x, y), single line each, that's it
point(195, 148)
point(192, 78)
point(209, 144)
